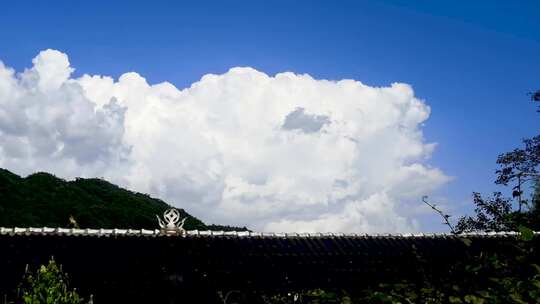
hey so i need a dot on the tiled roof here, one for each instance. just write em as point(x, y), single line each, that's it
point(140, 266)
point(208, 233)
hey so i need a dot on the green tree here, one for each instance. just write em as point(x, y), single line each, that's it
point(535, 96)
point(48, 285)
point(492, 214)
point(44, 200)
point(518, 169)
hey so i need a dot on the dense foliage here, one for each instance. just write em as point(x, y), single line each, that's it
point(510, 277)
point(49, 284)
point(42, 199)
point(518, 169)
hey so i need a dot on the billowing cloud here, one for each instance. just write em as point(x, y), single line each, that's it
point(276, 153)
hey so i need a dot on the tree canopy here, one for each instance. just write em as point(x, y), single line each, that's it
point(518, 169)
point(42, 199)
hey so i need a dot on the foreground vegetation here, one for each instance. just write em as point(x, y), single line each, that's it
point(48, 284)
point(487, 277)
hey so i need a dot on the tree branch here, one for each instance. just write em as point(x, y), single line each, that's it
point(442, 214)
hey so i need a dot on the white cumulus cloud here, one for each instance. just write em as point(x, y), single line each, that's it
point(276, 153)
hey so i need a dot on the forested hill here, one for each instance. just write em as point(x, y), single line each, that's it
point(43, 200)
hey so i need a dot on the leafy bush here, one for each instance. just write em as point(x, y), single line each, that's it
point(483, 278)
point(48, 285)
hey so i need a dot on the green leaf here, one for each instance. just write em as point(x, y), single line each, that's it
point(474, 299)
point(517, 298)
point(467, 242)
point(526, 233)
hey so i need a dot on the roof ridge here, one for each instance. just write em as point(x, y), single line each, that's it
point(204, 233)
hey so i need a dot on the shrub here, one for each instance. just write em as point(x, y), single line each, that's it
point(48, 285)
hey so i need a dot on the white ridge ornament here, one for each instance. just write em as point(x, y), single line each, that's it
point(172, 218)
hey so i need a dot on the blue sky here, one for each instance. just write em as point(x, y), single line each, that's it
point(472, 62)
